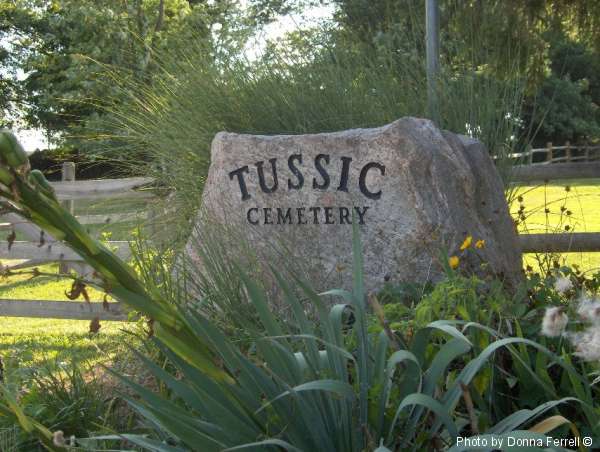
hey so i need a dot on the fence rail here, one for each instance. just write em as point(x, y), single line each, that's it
point(560, 242)
point(541, 173)
point(54, 251)
point(102, 188)
point(557, 154)
point(43, 248)
point(73, 310)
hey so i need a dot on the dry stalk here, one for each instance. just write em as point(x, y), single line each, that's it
point(470, 409)
point(384, 323)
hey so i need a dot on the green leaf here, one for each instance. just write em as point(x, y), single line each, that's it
point(192, 350)
point(259, 300)
point(394, 360)
point(190, 432)
point(148, 444)
point(27, 424)
point(305, 326)
point(521, 417)
point(451, 398)
point(421, 339)
point(441, 412)
point(362, 337)
point(339, 388)
point(276, 443)
point(239, 425)
point(448, 353)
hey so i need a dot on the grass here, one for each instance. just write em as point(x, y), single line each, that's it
point(33, 349)
point(23, 287)
point(26, 342)
point(568, 206)
point(308, 84)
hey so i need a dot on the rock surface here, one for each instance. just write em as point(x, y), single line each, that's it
point(413, 188)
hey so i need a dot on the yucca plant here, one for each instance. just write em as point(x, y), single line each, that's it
point(318, 383)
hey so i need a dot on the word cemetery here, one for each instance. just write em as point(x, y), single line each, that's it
point(304, 215)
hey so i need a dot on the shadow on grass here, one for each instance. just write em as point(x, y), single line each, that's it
point(31, 351)
point(29, 282)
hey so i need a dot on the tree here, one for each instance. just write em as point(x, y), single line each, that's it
point(554, 44)
point(66, 48)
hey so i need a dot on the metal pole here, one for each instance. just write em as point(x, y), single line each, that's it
point(432, 24)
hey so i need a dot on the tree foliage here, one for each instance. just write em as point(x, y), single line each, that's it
point(554, 44)
point(63, 51)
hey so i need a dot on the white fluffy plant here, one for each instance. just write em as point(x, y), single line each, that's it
point(556, 321)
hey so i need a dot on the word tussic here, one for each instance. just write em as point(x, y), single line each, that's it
point(323, 181)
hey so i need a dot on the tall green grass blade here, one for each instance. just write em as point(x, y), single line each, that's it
point(521, 417)
point(336, 387)
point(149, 444)
point(276, 443)
point(190, 435)
point(259, 300)
point(305, 326)
point(440, 411)
point(239, 424)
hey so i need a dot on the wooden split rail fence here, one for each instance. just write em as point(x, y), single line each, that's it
point(34, 251)
point(576, 163)
point(557, 154)
point(558, 163)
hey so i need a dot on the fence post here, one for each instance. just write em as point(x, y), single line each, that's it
point(549, 151)
point(68, 175)
point(587, 151)
point(530, 156)
point(568, 151)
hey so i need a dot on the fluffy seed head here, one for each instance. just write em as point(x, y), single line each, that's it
point(555, 321)
point(563, 284)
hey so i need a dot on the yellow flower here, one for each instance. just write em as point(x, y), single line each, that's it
point(467, 243)
point(453, 262)
point(479, 244)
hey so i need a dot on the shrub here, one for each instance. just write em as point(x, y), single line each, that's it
point(67, 397)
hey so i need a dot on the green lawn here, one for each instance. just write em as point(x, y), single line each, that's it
point(560, 207)
point(48, 342)
point(28, 342)
point(24, 287)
